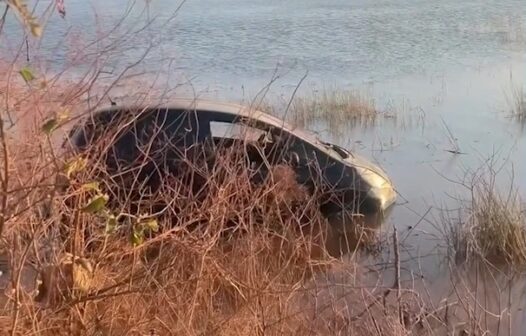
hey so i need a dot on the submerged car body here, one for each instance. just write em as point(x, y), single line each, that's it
point(346, 180)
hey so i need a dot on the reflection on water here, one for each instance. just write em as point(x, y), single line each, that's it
point(495, 298)
point(475, 301)
point(349, 232)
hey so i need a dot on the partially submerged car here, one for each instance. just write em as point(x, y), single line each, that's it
point(343, 181)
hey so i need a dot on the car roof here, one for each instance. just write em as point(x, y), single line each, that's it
point(250, 112)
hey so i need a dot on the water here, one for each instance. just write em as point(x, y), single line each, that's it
point(448, 62)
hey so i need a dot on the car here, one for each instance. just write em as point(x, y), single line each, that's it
point(342, 180)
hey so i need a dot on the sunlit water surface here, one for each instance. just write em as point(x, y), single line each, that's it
point(443, 68)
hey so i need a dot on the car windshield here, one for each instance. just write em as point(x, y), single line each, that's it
point(302, 134)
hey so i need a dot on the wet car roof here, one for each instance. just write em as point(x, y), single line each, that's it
point(235, 110)
point(251, 113)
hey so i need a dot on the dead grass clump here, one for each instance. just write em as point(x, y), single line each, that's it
point(228, 261)
point(239, 264)
point(509, 28)
point(334, 108)
point(236, 253)
point(93, 251)
point(498, 228)
point(491, 226)
point(517, 102)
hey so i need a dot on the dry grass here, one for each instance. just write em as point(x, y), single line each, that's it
point(237, 261)
point(517, 102)
point(490, 225)
point(244, 259)
point(335, 113)
point(334, 107)
point(498, 228)
point(509, 28)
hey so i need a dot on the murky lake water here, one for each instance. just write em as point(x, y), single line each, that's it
point(446, 62)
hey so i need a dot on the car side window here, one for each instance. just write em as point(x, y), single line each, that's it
point(236, 131)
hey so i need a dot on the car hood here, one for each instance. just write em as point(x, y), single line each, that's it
point(379, 184)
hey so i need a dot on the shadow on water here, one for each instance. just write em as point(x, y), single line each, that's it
point(350, 232)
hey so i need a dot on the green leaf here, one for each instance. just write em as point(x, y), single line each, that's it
point(111, 224)
point(137, 237)
point(76, 166)
point(49, 126)
point(96, 204)
point(151, 225)
point(91, 186)
point(27, 74)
